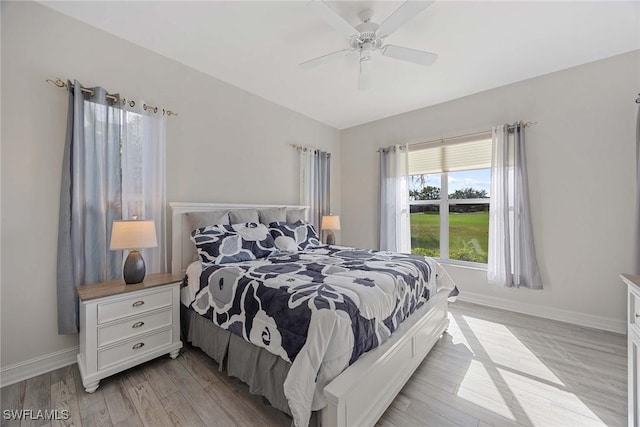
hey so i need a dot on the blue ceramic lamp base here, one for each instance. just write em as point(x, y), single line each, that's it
point(134, 268)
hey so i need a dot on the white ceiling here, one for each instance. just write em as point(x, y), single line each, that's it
point(257, 46)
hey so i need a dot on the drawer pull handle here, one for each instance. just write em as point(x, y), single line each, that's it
point(137, 325)
point(137, 304)
point(137, 346)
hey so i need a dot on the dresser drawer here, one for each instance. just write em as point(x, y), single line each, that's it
point(133, 348)
point(118, 309)
point(634, 309)
point(133, 326)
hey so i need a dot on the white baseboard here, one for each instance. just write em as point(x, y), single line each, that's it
point(581, 319)
point(40, 365)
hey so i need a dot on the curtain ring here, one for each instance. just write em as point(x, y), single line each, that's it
point(132, 103)
point(155, 109)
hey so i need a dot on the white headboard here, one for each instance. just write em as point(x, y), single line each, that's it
point(182, 248)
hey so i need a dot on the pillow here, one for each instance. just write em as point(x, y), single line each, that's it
point(295, 215)
point(293, 237)
point(222, 244)
point(244, 216)
point(202, 219)
point(267, 216)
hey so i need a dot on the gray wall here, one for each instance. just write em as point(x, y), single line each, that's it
point(226, 145)
point(581, 173)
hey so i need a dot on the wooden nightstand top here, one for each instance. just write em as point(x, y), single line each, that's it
point(631, 279)
point(115, 287)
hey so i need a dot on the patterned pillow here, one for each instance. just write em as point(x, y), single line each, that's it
point(222, 244)
point(293, 237)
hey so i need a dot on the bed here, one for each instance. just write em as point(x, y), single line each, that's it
point(328, 330)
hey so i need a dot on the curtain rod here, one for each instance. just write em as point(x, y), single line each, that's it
point(61, 84)
point(302, 147)
point(466, 135)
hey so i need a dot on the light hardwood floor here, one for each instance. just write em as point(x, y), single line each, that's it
point(492, 368)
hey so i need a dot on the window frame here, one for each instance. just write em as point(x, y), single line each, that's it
point(444, 204)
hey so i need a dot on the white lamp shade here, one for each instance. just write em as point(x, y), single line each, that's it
point(330, 222)
point(133, 235)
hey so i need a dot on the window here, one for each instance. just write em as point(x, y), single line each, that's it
point(133, 161)
point(449, 193)
point(143, 174)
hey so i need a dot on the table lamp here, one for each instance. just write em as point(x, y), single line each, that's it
point(133, 235)
point(330, 223)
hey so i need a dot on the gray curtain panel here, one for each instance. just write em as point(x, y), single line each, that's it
point(636, 257)
point(512, 256)
point(90, 199)
point(315, 183)
point(323, 183)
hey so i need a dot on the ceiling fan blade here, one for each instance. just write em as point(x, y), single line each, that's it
point(364, 79)
point(325, 58)
point(402, 15)
point(333, 19)
point(410, 55)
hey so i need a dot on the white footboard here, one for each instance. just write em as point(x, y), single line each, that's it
point(360, 395)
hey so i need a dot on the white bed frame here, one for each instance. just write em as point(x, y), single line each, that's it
point(361, 393)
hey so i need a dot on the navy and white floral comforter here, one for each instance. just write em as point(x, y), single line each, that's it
point(319, 309)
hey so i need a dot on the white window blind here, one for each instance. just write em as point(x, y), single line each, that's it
point(450, 157)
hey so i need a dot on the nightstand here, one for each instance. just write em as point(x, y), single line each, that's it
point(123, 325)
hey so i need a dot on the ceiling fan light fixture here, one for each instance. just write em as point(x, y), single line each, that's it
point(366, 51)
point(367, 31)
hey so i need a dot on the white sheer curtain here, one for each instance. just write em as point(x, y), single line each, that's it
point(512, 258)
point(315, 182)
point(143, 174)
point(395, 234)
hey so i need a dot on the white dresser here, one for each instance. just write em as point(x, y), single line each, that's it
point(123, 325)
point(633, 345)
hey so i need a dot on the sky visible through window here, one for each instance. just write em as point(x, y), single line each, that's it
point(477, 179)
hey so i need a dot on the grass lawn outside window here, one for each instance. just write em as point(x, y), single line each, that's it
point(468, 235)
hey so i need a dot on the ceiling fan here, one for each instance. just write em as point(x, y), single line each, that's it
point(369, 37)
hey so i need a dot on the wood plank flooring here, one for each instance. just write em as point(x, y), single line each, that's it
point(491, 368)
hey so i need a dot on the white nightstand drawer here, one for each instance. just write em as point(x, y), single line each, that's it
point(133, 326)
point(108, 311)
point(133, 348)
